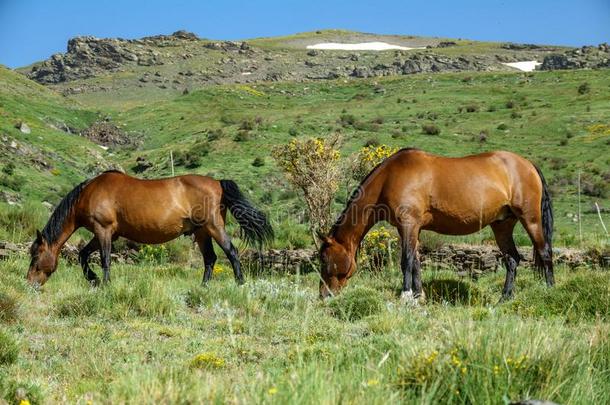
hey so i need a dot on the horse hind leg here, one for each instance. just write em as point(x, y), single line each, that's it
point(543, 255)
point(503, 232)
point(83, 258)
point(204, 241)
point(221, 237)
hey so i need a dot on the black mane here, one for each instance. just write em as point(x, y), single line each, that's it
point(358, 190)
point(54, 227)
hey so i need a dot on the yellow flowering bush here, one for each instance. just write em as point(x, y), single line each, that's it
point(251, 90)
point(597, 131)
point(312, 166)
point(370, 156)
point(377, 247)
point(207, 360)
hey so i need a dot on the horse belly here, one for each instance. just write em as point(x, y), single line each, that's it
point(153, 228)
point(467, 220)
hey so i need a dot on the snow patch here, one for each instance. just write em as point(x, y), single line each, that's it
point(363, 46)
point(524, 66)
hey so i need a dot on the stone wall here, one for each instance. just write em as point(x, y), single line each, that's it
point(465, 259)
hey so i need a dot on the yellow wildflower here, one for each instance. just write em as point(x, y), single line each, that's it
point(272, 391)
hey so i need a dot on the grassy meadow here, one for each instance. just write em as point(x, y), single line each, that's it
point(155, 335)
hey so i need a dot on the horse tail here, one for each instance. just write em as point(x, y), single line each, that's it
point(546, 210)
point(254, 225)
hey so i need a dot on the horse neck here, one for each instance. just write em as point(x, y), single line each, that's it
point(359, 217)
point(68, 228)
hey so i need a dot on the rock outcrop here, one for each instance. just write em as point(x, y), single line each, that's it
point(587, 57)
point(89, 56)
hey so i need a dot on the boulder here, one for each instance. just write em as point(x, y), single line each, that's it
point(23, 127)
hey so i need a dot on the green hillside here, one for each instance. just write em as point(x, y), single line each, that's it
point(542, 115)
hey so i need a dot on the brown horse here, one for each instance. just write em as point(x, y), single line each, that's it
point(414, 191)
point(114, 205)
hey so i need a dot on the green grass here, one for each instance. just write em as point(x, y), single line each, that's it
point(155, 335)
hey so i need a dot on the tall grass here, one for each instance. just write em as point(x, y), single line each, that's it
point(273, 341)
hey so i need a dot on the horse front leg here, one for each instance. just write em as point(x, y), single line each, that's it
point(409, 264)
point(105, 240)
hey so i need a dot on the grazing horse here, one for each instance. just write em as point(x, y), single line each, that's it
point(414, 191)
point(114, 205)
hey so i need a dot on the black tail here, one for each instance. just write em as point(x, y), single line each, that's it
point(255, 228)
point(546, 209)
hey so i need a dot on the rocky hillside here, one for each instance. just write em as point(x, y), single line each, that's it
point(182, 61)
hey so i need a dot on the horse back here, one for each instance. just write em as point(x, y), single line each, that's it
point(459, 195)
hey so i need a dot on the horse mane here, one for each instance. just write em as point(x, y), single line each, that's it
point(54, 226)
point(358, 190)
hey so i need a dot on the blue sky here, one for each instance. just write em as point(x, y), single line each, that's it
point(32, 30)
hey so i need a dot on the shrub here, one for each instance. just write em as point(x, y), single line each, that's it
point(502, 127)
point(371, 142)
point(430, 129)
point(293, 131)
point(152, 254)
point(378, 120)
point(452, 291)
point(191, 158)
point(12, 182)
point(9, 169)
point(347, 120)
point(356, 303)
point(247, 125)
point(312, 166)
point(242, 136)
point(584, 88)
point(258, 162)
point(368, 157)
point(472, 108)
point(8, 349)
point(510, 104)
point(376, 248)
point(594, 187)
point(207, 361)
point(563, 142)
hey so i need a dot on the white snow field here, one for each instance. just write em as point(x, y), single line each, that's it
point(363, 46)
point(524, 66)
